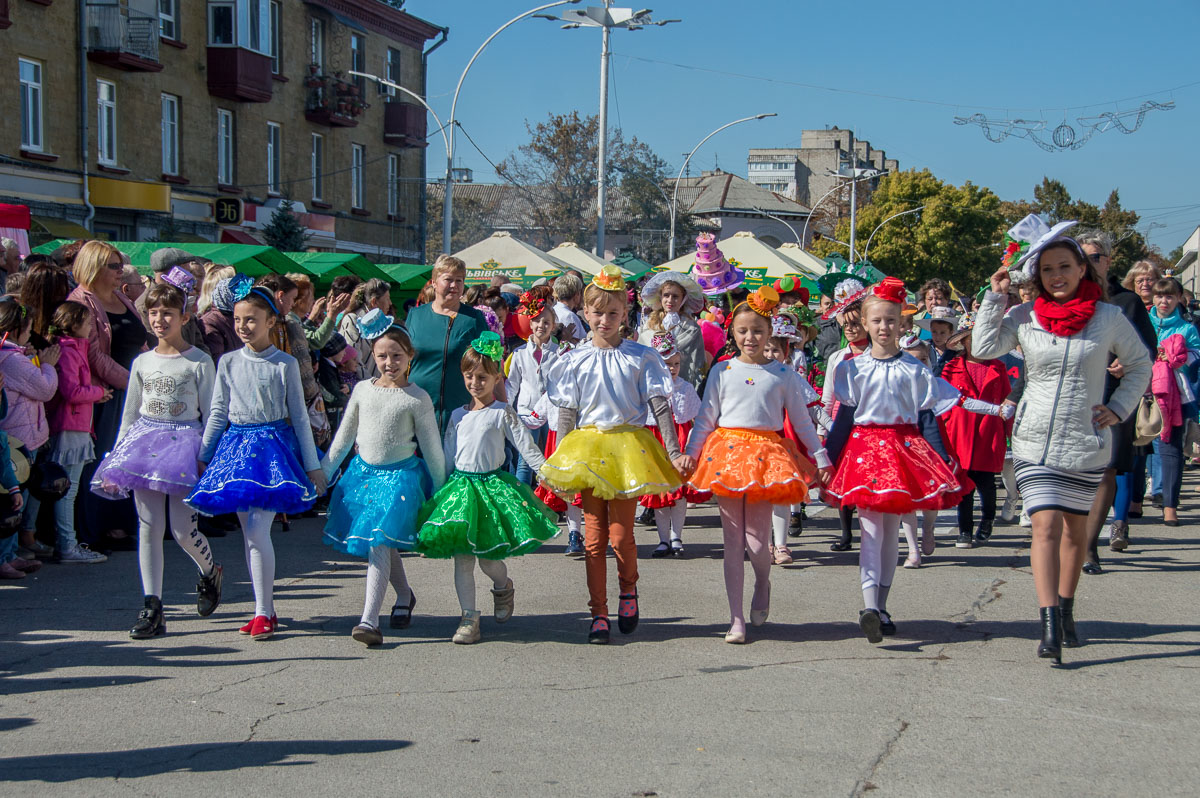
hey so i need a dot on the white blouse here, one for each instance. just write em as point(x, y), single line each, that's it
point(891, 391)
point(748, 396)
point(609, 387)
point(526, 381)
point(475, 439)
point(684, 402)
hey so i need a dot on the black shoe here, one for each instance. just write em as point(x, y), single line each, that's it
point(964, 541)
point(208, 591)
point(1156, 500)
point(1066, 607)
point(870, 623)
point(661, 550)
point(796, 525)
point(676, 548)
point(646, 518)
point(402, 614)
point(887, 627)
point(627, 613)
point(598, 635)
point(842, 545)
point(1051, 645)
point(150, 621)
point(1092, 567)
point(1171, 523)
point(984, 533)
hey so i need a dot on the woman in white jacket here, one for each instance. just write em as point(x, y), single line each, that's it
point(1061, 439)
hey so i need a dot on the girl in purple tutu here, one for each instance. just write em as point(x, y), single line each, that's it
point(155, 458)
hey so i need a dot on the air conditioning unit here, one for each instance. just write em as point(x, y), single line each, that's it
point(383, 89)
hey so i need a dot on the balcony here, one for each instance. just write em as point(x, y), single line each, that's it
point(404, 125)
point(238, 74)
point(123, 37)
point(331, 101)
point(4, 20)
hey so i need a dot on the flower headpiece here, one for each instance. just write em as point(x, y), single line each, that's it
point(846, 293)
point(181, 278)
point(531, 306)
point(489, 344)
point(965, 324)
point(664, 344)
point(891, 289)
point(609, 279)
point(373, 324)
point(715, 315)
point(489, 316)
point(240, 285)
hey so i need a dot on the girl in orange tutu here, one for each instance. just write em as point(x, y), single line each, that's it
point(741, 457)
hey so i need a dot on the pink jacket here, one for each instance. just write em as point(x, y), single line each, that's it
point(1172, 354)
point(107, 371)
point(28, 388)
point(72, 406)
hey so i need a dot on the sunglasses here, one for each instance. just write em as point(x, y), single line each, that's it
point(116, 267)
point(1096, 257)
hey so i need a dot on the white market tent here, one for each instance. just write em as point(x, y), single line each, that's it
point(808, 262)
point(579, 258)
point(517, 261)
point(761, 261)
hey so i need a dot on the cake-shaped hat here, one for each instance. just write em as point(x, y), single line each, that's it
point(712, 272)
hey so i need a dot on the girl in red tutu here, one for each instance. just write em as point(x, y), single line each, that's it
point(741, 457)
point(889, 453)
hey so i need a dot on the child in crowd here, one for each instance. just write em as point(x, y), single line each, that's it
point(257, 445)
point(530, 363)
point(941, 323)
point(602, 391)
point(483, 514)
point(373, 510)
point(156, 454)
point(1178, 346)
point(912, 344)
point(546, 412)
point(742, 458)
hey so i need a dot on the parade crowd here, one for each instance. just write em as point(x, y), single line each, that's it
point(471, 423)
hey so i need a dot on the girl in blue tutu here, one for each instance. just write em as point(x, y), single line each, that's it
point(257, 444)
point(155, 458)
point(373, 509)
point(483, 511)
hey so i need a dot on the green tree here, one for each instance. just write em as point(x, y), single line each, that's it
point(283, 231)
point(955, 235)
point(472, 223)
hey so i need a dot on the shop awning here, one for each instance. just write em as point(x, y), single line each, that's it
point(14, 216)
point(232, 236)
point(252, 260)
point(61, 228)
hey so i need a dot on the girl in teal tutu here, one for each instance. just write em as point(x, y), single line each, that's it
point(373, 509)
point(483, 511)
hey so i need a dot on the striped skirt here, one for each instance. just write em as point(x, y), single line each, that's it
point(1046, 488)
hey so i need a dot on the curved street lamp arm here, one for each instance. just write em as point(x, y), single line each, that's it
point(414, 95)
point(867, 248)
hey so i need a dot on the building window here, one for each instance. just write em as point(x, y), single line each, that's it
point(31, 104)
point(170, 134)
point(220, 24)
point(240, 23)
point(318, 166)
point(274, 154)
point(393, 69)
point(167, 19)
point(393, 188)
point(276, 12)
point(106, 122)
point(356, 175)
point(357, 62)
point(225, 147)
point(316, 43)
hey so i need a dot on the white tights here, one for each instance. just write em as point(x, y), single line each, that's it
point(384, 565)
point(152, 523)
point(260, 557)
point(878, 550)
point(746, 526)
point(1009, 477)
point(464, 578)
point(574, 518)
point(669, 521)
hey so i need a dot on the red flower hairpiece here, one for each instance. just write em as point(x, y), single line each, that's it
point(891, 289)
point(530, 306)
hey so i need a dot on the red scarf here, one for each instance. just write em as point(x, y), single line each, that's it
point(1067, 318)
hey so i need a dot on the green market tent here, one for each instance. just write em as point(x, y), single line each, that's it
point(255, 261)
point(633, 266)
point(761, 262)
point(408, 278)
point(334, 264)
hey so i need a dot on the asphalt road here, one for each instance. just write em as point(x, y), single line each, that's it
point(956, 704)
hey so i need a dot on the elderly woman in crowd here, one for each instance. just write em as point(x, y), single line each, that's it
point(372, 294)
point(1140, 279)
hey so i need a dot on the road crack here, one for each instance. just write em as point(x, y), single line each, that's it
point(865, 783)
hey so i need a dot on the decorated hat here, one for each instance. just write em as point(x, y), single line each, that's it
point(965, 324)
point(911, 341)
point(489, 315)
point(609, 278)
point(891, 289)
point(763, 301)
point(693, 301)
point(532, 305)
point(1026, 240)
point(848, 291)
point(715, 315)
point(714, 337)
point(489, 344)
point(787, 285)
point(664, 343)
point(373, 324)
point(714, 274)
point(938, 314)
point(181, 278)
point(783, 325)
point(829, 282)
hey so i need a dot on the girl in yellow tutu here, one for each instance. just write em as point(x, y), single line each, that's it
point(604, 453)
point(743, 460)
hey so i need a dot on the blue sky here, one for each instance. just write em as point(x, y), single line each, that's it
point(1034, 58)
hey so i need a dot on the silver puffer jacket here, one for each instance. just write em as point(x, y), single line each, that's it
point(1064, 380)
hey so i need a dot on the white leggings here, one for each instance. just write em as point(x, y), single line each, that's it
point(383, 566)
point(878, 550)
point(574, 518)
point(464, 578)
point(1009, 477)
point(152, 523)
point(260, 557)
point(669, 521)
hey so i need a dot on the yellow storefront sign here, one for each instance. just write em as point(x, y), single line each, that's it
point(109, 193)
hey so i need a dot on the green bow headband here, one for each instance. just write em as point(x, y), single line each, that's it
point(489, 344)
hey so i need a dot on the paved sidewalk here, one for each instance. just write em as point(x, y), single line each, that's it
point(955, 705)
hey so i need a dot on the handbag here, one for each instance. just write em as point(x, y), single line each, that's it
point(1149, 421)
point(1191, 439)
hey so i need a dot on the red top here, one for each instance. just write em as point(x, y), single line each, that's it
point(976, 441)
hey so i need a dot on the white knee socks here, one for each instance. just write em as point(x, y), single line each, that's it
point(383, 566)
point(878, 550)
point(669, 521)
point(152, 523)
point(260, 557)
point(464, 578)
point(908, 524)
point(574, 518)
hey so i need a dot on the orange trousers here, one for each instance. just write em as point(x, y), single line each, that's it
point(605, 521)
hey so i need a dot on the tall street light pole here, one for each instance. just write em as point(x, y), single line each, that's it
point(606, 18)
point(448, 203)
point(675, 192)
point(867, 248)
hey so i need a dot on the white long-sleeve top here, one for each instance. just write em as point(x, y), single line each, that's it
point(259, 388)
point(526, 381)
point(176, 388)
point(475, 439)
point(892, 390)
point(684, 403)
point(748, 396)
point(610, 387)
point(387, 424)
point(836, 359)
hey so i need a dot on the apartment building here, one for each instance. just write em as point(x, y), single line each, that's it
point(802, 173)
point(199, 117)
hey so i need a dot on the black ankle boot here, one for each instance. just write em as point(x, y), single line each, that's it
point(984, 532)
point(208, 591)
point(1051, 645)
point(150, 621)
point(1066, 607)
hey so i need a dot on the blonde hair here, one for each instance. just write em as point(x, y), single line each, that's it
point(871, 300)
point(447, 263)
point(91, 259)
point(1137, 270)
point(656, 315)
point(212, 276)
point(304, 286)
point(596, 297)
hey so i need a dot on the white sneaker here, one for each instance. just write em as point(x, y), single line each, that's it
point(1025, 520)
point(1007, 511)
point(80, 553)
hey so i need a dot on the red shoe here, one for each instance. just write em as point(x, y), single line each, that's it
point(249, 628)
point(262, 628)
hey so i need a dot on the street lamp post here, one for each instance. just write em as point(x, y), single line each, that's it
point(448, 203)
point(413, 94)
point(868, 174)
point(675, 192)
point(867, 248)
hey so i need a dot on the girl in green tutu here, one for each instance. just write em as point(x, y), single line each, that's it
point(483, 514)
